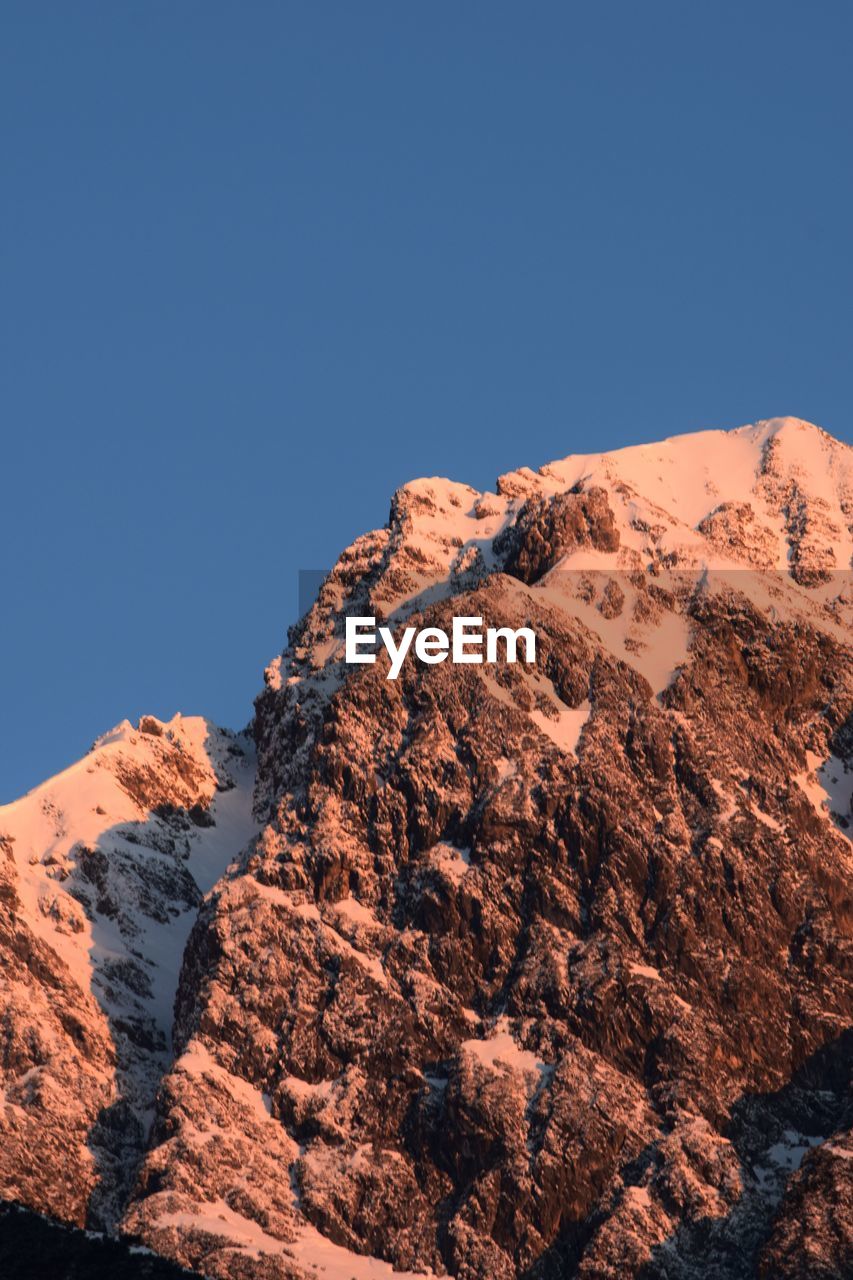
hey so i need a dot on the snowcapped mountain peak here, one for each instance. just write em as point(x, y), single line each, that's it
point(772, 497)
point(191, 732)
point(776, 494)
point(769, 428)
point(787, 479)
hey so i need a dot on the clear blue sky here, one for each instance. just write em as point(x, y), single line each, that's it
point(263, 262)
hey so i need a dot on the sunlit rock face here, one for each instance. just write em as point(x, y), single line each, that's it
point(535, 970)
point(102, 870)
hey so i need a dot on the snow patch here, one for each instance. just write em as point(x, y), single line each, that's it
point(309, 1249)
point(828, 784)
point(500, 1050)
point(452, 861)
point(564, 731)
point(357, 912)
point(781, 1160)
point(196, 1060)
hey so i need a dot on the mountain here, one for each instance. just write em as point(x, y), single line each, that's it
point(538, 971)
point(102, 870)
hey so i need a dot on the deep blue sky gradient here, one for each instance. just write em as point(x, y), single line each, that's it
point(263, 262)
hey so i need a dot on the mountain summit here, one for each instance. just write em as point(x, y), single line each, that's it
point(488, 972)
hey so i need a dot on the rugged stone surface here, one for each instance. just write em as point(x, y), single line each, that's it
point(546, 529)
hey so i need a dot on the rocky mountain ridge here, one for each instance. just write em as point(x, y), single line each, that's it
point(514, 972)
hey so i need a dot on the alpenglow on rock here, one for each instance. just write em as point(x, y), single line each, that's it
point(532, 970)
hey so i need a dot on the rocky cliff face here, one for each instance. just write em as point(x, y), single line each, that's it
point(528, 971)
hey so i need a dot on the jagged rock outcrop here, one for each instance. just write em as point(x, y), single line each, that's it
point(548, 528)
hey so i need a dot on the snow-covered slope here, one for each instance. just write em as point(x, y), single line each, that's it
point(689, 495)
